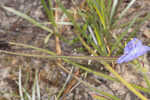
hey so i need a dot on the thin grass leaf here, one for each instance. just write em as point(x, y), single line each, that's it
point(32, 47)
point(27, 94)
point(64, 86)
point(114, 6)
point(59, 23)
point(92, 34)
point(100, 42)
point(31, 20)
point(96, 47)
point(103, 10)
point(101, 17)
point(98, 97)
point(109, 6)
point(103, 93)
point(98, 58)
point(146, 90)
point(47, 38)
point(20, 84)
point(126, 9)
point(49, 11)
point(37, 86)
point(50, 15)
point(33, 90)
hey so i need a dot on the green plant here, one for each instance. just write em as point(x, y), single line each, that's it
point(98, 24)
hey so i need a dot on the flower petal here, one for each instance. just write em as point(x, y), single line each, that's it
point(133, 50)
point(132, 44)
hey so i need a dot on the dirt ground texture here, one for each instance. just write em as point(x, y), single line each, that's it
point(51, 77)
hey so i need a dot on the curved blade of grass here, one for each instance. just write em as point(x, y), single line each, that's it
point(126, 9)
point(32, 47)
point(47, 38)
point(31, 20)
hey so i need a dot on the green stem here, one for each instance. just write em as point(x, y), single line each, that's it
point(66, 57)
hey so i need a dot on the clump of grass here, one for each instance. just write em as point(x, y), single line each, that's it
point(24, 94)
point(99, 19)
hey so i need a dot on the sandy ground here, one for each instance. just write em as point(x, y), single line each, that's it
point(52, 78)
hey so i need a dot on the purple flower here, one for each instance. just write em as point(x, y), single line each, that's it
point(133, 50)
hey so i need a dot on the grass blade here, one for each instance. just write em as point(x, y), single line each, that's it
point(20, 84)
point(126, 9)
point(31, 20)
point(114, 6)
point(49, 11)
point(101, 15)
point(37, 86)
